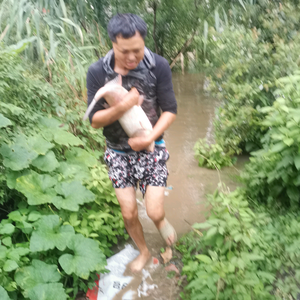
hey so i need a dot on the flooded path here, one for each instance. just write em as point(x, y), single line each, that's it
point(185, 198)
point(196, 112)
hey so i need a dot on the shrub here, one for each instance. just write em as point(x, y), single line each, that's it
point(243, 252)
point(273, 174)
point(59, 212)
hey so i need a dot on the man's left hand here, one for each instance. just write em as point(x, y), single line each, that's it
point(139, 143)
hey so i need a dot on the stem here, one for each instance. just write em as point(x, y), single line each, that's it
point(51, 209)
point(217, 297)
point(154, 25)
point(183, 48)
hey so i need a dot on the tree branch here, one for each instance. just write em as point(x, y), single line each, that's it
point(154, 6)
point(183, 48)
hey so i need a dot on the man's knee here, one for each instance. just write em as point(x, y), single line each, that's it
point(130, 216)
point(156, 215)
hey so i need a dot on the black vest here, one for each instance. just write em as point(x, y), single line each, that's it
point(145, 81)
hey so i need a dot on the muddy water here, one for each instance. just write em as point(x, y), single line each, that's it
point(196, 110)
point(187, 183)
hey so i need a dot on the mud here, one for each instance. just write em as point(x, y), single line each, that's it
point(185, 202)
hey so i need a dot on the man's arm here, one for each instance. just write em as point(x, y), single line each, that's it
point(163, 123)
point(167, 102)
point(101, 116)
point(109, 115)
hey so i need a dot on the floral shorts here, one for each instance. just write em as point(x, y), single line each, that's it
point(147, 168)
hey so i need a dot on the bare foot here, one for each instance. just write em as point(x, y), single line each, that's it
point(170, 240)
point(169, 236)
point(138, 264)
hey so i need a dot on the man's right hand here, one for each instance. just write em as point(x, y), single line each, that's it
point(132, 98)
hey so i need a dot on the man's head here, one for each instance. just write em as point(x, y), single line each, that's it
point(127, 33)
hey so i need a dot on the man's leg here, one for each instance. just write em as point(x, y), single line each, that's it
point(155, 208)
point(127, 199)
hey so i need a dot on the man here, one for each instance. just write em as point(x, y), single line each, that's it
point(146, 73)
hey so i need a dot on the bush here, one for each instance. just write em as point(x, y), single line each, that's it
point(211, 156)
point(273, 174)
point(247, 252)
point(242, 65)
point(59, 212)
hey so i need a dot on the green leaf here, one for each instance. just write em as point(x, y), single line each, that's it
point(66, 138)
point(39, 144)
point(212, 231)
point(253, 256)
point(4, 122)
point(15, 110)
point(16, 216)
point(50, 234)
point(17, 157)
point(217, 21)
point(21, 45)
point(22, 250)
point(52, 123)
point(205, 32)
point(201, 161)
point(87, 257)
point(63, 7)
point(3, 251)
point(34, 216)
point(30, 279)
point(3, 294)
point(278, 147)
point(293, 193)
point(297, 162)
point(201, 225)
point(270, 277)
point(288, 141)
point(75, 172)
point(206, 259)
point(81, 157)
point(7, 228)
point(48, 291)
point(242, 4)
point(37, 188)
point(10, 265)
point(13, 175)
point(7, 241)
point(76, 26)
point(46, 163)
point(74, 194)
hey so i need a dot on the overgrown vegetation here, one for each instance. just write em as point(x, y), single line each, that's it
point(246, 253)
point(62, 214)
point(243, 63)
point(57, 205)
point(249, 246)
point(59, 213)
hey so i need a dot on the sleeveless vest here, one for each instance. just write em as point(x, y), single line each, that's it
point(144, 81)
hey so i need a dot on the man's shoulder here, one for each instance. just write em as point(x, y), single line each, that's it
point(160, 61)
point(161, 66)
point(97, 66)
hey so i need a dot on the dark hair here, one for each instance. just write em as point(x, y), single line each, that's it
point(126, 25)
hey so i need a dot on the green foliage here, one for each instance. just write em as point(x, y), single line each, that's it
point(245, 252)
point(59, 212)
point(273, 174)
point(87, 257)
point(249, 248)
point(243, 65)
point(211, 156)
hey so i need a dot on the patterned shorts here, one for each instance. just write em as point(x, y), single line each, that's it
point(147, 168)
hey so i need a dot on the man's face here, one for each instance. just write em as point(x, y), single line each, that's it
point(129, 52)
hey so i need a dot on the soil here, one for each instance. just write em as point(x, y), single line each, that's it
point(185, 202)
